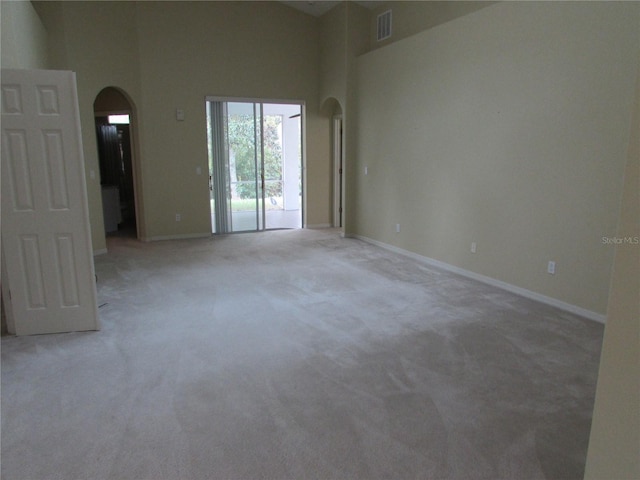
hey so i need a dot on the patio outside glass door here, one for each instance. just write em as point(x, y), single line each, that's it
point(255, 165)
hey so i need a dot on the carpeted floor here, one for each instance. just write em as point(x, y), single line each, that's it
point(299, 354)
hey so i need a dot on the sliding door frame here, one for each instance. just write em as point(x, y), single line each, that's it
point(260, 102)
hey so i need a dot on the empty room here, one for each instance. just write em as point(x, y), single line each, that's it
point(330, 239)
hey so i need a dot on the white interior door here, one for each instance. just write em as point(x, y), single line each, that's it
point(45, 223)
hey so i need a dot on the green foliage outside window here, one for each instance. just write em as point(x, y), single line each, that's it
point(244, 142)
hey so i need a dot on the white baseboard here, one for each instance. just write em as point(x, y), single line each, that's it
point(186, 236)
point(101, 251)
point(598, 317)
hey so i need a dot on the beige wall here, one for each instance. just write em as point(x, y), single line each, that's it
point(506, 127)
point(238, 49)
point(111, 100)
point(333, 55)
point(343, 36)
point(170, 55)
point(615, 431)
point(24, 38)
point(358, 20)
point(98, 41)
point(411, 17)
point(333, 81)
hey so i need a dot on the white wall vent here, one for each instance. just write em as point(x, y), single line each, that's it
point(384, 25)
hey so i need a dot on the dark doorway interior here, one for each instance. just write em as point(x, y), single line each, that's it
point(113, 133)
point(116, 175)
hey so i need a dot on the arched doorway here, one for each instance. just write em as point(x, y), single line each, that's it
point(114, 115)
point(332, 109)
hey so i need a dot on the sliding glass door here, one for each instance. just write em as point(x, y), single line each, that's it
point(255, 165)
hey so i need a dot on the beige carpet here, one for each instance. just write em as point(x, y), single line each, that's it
point(298, 354)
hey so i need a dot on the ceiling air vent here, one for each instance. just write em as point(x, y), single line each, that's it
point(384, 25)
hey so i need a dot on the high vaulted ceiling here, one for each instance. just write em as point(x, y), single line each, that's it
point(318, 8)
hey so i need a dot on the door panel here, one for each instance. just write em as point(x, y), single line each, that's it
point(19, 167)
point(244, 153)
point(283, 160)
point(31, 265)
point(45, 224)
point(55, 172)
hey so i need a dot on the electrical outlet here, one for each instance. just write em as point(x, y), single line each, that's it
point(178, 217)
point(397, 228)
point(551, 268)
point(366, 170)
point(473, 247)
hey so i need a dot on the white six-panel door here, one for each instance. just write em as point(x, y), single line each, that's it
point(45, 223)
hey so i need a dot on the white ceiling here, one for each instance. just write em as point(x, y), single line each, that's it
point(318, 8)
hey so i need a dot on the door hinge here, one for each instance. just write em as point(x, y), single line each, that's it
point(340, 171)
point(340, 210)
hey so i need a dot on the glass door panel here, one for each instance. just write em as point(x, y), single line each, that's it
point(283, 159)
point(243, 125)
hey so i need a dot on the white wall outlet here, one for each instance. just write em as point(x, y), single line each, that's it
point(366, 170)
point(179, 114)
point(473, 247)
point(92, 174)
point(397, 228)
point(551, 268)
point(178, 217)
point(198, 171)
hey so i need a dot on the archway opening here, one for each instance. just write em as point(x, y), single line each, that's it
point(114, 116)
point(331, 108)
